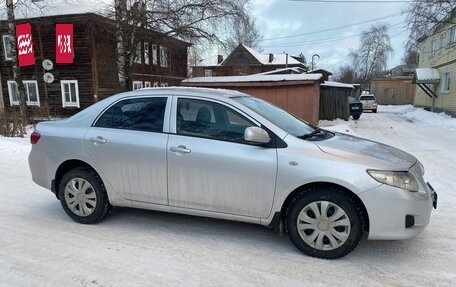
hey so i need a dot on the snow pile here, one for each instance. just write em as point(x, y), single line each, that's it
point(421, 116)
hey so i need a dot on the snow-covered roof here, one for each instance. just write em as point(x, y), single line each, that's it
point(337, 85)
point(426, 76)
point(295, 70)
point(256, 78)
point(278, 59)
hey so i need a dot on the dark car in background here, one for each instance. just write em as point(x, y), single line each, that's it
point(356, 108)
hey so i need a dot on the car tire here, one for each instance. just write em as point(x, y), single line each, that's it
point(356, 117)
point(374, 110)
point(331, 234)
point(83, 196)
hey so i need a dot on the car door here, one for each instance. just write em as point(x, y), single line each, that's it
point(210, 165)
point(128, 144)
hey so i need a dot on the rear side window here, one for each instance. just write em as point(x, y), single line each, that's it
point(143, 114)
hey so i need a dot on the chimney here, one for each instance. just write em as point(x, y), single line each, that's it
point(219, 59)
point(271, 57)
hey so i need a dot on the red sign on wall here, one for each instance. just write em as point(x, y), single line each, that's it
point(64, 49)
point(25, 53)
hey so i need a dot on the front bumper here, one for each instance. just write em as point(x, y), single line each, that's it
point(390, 210)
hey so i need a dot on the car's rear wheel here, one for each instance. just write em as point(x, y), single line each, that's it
point(356, 117)
point(374, 110)
point(83, 196)
point(324, 222)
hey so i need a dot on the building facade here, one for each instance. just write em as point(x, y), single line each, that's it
point(93, 75)
point(438, 51)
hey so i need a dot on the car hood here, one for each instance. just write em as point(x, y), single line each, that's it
point(374, 154)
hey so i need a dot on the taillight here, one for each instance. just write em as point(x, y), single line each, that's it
point(35, 137)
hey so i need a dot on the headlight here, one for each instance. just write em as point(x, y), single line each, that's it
point(401, 179)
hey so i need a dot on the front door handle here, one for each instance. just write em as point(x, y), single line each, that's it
point(181, 149)
point(98, 140)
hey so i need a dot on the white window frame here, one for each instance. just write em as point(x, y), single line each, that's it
point(163, 84)
point(154, 54)
point(69, 104)
point(7, 58)
point(138, 55)
point(27, 94)
point(147, 84)
point(163, 57)
point(208, 73)
point(445, 83)
point(146, 53)
point(155, 84)
point(137, 85)
point(452, 37)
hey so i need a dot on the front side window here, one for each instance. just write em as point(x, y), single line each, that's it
point(277, 116)
point(142, 114)
point(70, 93)
point(31, 93)
point(445, 82)
point(210, 120)
point(137, 85)
point(7, 47)
point(163, 56)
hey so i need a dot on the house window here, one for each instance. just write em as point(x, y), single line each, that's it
point(137, 85)
point(163, 56)
point(155, 84)
point(154, 54)
point(31, 93)
point(453, 35)
point(433, 47)
point(7, 47)
point(70, 93)
point(208, 73)
point(445, 82)
point(146, 53)
point(147, 84)
point(164, 84)
point(138, 55)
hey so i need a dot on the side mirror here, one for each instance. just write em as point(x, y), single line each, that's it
point(256, 135)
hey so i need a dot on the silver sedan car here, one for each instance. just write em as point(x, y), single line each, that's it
point(227, 155)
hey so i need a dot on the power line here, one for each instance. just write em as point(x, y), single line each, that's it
point(332, 29)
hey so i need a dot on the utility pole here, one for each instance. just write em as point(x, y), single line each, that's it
point(16, 70)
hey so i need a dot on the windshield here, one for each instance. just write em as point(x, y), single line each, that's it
point(277, 116)
point(367, 98)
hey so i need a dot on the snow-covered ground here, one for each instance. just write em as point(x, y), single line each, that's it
point(41, 246)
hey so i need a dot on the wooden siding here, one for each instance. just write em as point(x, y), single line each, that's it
point(94, 66)
point(393, 91)
point(334, 103)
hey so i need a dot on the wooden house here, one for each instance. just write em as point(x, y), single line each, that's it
point(244, 60)
point(93, 75)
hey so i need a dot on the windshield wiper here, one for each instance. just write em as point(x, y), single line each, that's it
point(313, 133)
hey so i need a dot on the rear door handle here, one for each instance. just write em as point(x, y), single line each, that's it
point(97, 140)
point(181, 149)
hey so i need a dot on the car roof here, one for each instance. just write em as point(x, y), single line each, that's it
point(181, 91)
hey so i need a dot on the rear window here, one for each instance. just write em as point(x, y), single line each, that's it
point(367, 98)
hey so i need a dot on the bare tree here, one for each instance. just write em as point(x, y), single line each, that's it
point(422, 15)
point(344, 74)
point(370, 60)
point(190, 20)
point(244, 32)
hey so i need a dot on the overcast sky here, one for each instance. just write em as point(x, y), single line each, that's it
point(278, 19)
point(298, 27)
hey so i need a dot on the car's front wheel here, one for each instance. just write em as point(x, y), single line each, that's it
point(83, 196)
point(356, 117)
point(324, 222)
